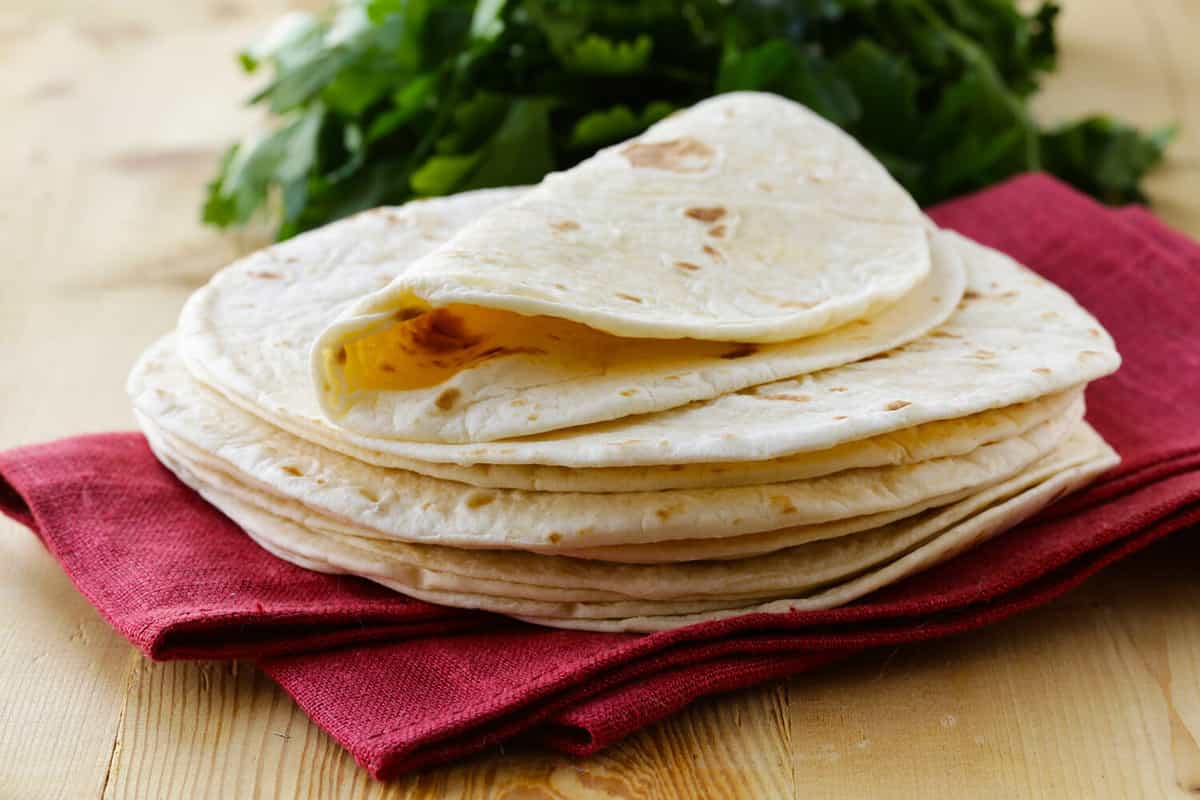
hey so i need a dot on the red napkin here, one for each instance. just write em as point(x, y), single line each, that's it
point(403, 684)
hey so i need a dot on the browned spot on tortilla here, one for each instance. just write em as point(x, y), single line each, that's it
point(675, 155)
point(945, 335)
point(564, 225)
point(533, 418)
point(705, 213)
point(446, 400)
point(764, 186)
point(838, 389)
point(341, 355)
point(672, 378)
point(264, 273)
point(555, 537)
point(841, 417)
point(1042, 370)
point(1007, 295)
point(741, 351)
point(795, 398)
point(441, 331)
point(666, 512)
point(1048, 315)
point(994, 284)
point(937, 299)
point(717, 231)
point(479, 499)
point(293, 471)
point(517, 403)
point(971, 294)
point(1089, 353)
point(369, 495)
point(749, 390)
point(1094, 332)
point(983, 355)
point(896, 405)
point(877, 357)
point(863, 323)
point(405, 314)
point(783, 504)
point(561, 287)
point(628, 392)
point(675, 468)
point(631, 298)
point(585, 531)
point(800, 304)
point(719, 470)
point(688, 266)
point(713, 253)
point(386, 367)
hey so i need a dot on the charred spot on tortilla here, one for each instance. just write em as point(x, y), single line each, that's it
point(293, 471)
point(741, 351)
point(675, 155)
point(749, 391)
point(446, 400)
point(705, 213)
point(690, 267)
point(341, 355)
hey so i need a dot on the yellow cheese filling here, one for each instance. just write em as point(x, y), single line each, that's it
point(423, 348)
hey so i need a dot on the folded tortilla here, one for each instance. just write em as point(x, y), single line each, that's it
point(743, 221)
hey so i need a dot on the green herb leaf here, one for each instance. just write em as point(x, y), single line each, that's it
point(378, 101)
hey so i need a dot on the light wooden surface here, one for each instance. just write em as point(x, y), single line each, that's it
point(111, 117)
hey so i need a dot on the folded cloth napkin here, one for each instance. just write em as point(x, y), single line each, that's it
point(403, 684)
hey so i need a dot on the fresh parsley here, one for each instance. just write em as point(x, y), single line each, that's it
point(381, 101)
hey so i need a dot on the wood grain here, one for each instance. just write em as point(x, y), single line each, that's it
point(113, 113)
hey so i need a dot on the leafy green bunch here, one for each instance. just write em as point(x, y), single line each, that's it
point(381, 101)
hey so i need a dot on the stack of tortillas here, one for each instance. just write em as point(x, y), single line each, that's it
point(725, 367)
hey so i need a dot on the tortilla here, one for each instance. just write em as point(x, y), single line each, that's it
point(879, 557)
point(416, 508)
point(1015, 338)
point(746, 219)
point(561, 579)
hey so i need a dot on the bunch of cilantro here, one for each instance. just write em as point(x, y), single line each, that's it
point(381, 101)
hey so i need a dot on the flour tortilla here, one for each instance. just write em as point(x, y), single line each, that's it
point(252, 327)
point(410, 507)
point(878, 552)
point(953, 542)
point(1015, 338)
point(557, 579)
point(745, 219)
point(924, 442)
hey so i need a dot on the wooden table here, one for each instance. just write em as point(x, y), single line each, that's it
point(112, 115)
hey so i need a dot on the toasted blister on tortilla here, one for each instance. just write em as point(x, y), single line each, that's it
point(407, 506)
point(744, 221)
